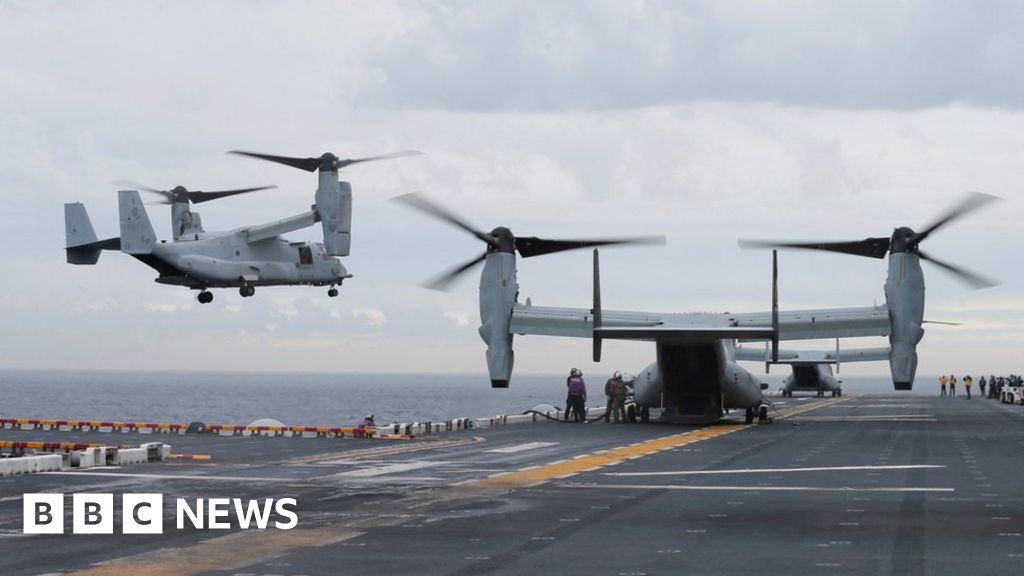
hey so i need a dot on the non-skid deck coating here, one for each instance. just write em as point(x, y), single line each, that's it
point(869, 485)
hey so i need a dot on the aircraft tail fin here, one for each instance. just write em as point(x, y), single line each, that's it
point(81, 243)
point(137, 236)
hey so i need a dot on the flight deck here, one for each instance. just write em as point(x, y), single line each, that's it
point(887, 484)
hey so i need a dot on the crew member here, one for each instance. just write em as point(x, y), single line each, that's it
point(608, 394)
point(981, 384)
point(952, 385)
point(367, 422)
point(576, 401)
point(942, 382)
point(967, 385)
point(618, 390)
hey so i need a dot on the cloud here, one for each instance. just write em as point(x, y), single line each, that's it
point(607, 55)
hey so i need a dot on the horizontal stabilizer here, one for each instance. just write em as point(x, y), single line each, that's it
point(80, 239)
point(685, 333)
point(817, 356)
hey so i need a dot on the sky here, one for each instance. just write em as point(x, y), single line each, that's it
point(703, 121)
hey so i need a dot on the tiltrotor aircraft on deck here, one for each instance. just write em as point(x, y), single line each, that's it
point(696, 376)
point(243, 258)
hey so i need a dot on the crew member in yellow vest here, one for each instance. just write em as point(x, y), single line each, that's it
point(942, 381)
point(967, 385)
point(952, 385)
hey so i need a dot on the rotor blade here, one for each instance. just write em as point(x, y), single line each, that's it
point(870, 247)
point(421, 203)
point(529, 246)
point(137, 186)
point(442, 281)
point(969, 204)
point(198, 196)
point(349, 161)
point(976, 281)
point(168, 196)
point(307, 164)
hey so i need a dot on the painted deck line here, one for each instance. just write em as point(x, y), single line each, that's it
point(231, 552)
point(565, 468)
point(179, 477)
point(385, 470)
point(753, 488)
point(613, 456)
point(522, 447)
point(773, 470)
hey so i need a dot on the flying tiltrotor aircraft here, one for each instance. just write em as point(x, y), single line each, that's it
point(696, 378)
point(243, 258)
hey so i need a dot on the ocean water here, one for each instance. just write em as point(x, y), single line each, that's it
point(301, 399)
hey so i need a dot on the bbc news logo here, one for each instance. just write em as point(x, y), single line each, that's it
point(143, 513)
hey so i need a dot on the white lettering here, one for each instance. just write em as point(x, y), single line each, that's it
point(252, 511)
point(218, 508)
point(185, 510)
point(281, 509)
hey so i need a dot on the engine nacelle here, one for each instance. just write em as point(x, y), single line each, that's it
point(904, 296)
point(498, 293)
point(647, 388)
point(334, 205)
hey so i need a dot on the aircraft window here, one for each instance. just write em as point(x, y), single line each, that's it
point(305, 255)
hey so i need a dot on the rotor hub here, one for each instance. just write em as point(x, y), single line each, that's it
point(505, 241)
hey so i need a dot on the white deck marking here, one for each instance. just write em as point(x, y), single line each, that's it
point(749, 488)
point(878, 418)
point(856, 406)
point(382, 470)
point(180, 477)
point(771, 470)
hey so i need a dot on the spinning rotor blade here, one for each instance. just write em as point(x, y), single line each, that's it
point(442, 281)
point(402, 154)
point(195, 196)
point(529, 246)
point(870, 247)
point(307, 164)
point(973, 201)
point(420, 202)
point(312, 164)
point(168, 196)
point(198, 196)
point(975, 280)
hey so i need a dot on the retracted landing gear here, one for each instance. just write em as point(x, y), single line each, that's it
point(204, 297)
point(332, 291)
point(246, 290)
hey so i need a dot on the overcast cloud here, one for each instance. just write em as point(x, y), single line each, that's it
point(703, 121)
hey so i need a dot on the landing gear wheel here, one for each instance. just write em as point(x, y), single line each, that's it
point(834, 393)
point(750, 416)
point(205, 297)
point(645, 414)
point(332, 292)
point(839, 392)
point(762, 413)
point(247, 291)
point(631, 414)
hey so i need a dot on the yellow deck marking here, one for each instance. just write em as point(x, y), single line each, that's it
point(232, 551)
point(601, 458)
point(787, 412)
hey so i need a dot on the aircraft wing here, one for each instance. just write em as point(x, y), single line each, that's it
point(816, 356)
point(283, 226)
point(793, 324)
